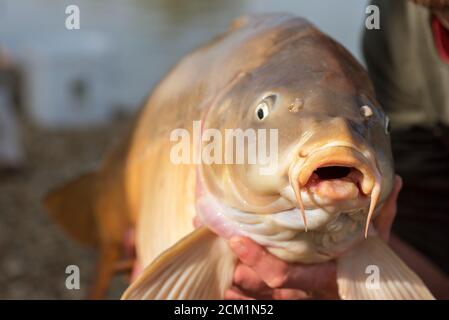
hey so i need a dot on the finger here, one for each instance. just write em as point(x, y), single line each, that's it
point(387, 214)
point(247, 279)
point(235, 294)
point(270, 269)
point(277, 273)
point(313, 277)
point(290, 294)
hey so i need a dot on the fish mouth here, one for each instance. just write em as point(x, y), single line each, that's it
point(336, 183)
point(337, 174)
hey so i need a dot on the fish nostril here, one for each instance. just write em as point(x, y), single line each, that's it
point(296, 105)
point(332, 172)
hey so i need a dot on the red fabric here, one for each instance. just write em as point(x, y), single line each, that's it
point(441, 37)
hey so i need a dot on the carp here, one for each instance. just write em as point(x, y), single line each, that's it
point(332, 169)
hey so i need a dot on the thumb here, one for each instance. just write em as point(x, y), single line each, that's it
point(387, 214)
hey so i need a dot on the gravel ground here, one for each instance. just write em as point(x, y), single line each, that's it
point(34, 252)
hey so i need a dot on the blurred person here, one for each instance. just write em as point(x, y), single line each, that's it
point(11, 153)
point(408, 60)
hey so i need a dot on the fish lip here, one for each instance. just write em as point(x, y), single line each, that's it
point(345, 156)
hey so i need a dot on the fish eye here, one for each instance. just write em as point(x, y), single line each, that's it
point(262, 111)
point(387, 125)
point(264, 107)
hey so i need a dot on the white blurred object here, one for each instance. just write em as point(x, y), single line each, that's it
point(11, 153)
point(68, 80)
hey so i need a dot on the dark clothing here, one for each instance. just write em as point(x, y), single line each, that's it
point(422, 159)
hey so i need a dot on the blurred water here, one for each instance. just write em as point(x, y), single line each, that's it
point(148, 36)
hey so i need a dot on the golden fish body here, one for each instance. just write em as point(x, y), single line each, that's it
point(284, 62)
point(332, 163)
point(332, 166)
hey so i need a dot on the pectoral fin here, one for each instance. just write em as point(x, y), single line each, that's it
point(372, 271)
point(199, 266)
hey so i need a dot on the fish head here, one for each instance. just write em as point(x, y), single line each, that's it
point(325, 136)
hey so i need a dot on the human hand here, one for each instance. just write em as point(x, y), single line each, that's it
point(261, 275)
point(384, 220)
